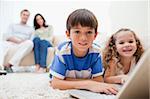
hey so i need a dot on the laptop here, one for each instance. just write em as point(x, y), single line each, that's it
point(137, 86)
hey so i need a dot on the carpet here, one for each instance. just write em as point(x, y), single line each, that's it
point(28, 86)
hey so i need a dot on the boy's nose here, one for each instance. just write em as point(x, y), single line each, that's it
point(83, 37)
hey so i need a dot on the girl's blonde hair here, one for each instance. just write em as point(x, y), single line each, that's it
point(110, 52)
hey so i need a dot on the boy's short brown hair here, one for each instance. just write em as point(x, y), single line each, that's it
point(83, 17)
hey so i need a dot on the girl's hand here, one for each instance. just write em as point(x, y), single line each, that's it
point(102, 88)
point(123, 78)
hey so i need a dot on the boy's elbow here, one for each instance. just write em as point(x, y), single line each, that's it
point(54, 85)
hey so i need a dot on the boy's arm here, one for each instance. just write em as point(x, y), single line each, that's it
point(99, 79)
point(83, 84)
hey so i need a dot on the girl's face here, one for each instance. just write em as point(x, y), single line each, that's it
point(39, 20)
point(82, 39)
point(126, 44)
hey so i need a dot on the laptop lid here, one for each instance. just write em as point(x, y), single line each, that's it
point(137, 86)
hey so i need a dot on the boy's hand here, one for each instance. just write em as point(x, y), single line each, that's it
point(102, 88)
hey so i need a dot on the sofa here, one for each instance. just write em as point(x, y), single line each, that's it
point(28, 60)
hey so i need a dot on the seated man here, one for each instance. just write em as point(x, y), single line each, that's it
point(19, 36)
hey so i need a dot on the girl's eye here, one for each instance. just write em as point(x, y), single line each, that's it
point(121, 42)
point(130, 41)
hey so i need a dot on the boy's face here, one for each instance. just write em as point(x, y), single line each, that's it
point(82, 39)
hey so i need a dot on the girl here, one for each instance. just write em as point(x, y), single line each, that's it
point(120, 56)
point(42, 36)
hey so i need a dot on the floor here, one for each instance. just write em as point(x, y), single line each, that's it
point(29, 86)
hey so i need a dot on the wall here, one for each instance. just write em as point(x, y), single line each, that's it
point(55, 12)
point(133, 15)
point(112, 15)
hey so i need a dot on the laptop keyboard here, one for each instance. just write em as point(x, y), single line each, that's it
point(83, 94)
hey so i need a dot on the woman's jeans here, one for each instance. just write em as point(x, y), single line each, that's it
point(40, 51)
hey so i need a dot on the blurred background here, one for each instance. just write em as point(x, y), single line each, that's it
point(111, 15)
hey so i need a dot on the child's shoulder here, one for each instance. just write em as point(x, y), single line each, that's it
point(95, 48)
point(64, 48)
point(64, 45)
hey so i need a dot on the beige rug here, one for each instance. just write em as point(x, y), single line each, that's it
point(28, 86)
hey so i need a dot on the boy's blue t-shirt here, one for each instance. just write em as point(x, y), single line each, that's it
point(66, 64)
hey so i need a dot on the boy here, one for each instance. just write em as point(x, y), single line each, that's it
point(77, 63)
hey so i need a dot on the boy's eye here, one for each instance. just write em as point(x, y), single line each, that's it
point(89, 32)
point(77, 32)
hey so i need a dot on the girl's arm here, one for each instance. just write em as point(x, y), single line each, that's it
point(109, 76)
point(83, 84)
point(120, 79)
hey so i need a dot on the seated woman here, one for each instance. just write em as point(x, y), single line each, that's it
point(42, 40)
point(120, 56)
